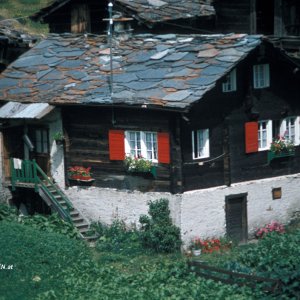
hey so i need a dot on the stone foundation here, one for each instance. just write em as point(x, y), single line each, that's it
point(197, 213)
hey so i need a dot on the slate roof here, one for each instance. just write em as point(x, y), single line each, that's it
point(166, 71)
point(148, 11)
point(155, 11)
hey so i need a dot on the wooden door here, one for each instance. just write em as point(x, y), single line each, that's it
point(236, 217)
point(13, 146)
point(41, 153)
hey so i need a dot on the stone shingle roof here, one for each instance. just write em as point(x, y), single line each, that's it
point(166, 71)
point(148, 11)
point(155, 11)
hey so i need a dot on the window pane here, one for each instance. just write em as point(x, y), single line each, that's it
point(38, 141)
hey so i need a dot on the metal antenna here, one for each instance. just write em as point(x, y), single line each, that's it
point(110, 32)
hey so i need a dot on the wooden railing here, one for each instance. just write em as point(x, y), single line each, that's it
point(234, 278)
point(30, 172)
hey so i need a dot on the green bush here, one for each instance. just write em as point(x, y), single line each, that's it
point(7, 213)
point(51, 223)
point(275, 256)
point(117, 239)
point(158, 232)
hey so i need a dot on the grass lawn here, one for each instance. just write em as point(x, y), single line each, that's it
point(53, 266)
point(20, 10)
point(40, 258)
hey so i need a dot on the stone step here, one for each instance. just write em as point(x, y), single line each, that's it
point(81, 225)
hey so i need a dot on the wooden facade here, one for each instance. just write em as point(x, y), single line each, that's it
point(269, 17)
point(78, 17)
point(87, 131)
point(224, 114)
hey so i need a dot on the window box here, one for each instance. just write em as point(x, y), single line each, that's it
point(274, 155)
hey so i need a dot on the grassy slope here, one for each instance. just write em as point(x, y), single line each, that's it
point(12, 9)
point(52, 266)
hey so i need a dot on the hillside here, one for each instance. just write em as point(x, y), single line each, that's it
point(20, 10)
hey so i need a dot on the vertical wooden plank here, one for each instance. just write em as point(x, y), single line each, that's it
point(278, 18)
point(80, 18)
point(253, 17)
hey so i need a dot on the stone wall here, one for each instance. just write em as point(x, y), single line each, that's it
point(197, 213)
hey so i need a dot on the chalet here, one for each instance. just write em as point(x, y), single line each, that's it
point(157, 16)
point(201, 109)
point(278, 19)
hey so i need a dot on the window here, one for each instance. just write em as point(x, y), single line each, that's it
point(230, 84)
point(264, 134)
point(290, 129)
point(141, 144)
point(200, 143)
point(41, 141)
point(261, 76)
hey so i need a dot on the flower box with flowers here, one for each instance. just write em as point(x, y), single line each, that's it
point(209, 245)
point(281, 147)
point(139, 166)
point(80, 174)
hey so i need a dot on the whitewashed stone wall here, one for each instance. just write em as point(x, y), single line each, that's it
point(56, 151)
point(106, 205)
point(197, 213)
point(203, 211)
point(5, 194)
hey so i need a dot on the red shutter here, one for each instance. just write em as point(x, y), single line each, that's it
point(251, 137)
point(163, 141)
point(116, 145)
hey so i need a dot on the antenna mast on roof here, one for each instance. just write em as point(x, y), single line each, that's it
point(110, 32)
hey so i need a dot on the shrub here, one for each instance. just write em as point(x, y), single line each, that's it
point(51, 223)
point(158, 232)
point(7, 213)
point(117, 239)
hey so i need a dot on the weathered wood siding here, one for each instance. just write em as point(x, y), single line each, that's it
point(233, 16)
point(278, 101)
point(94, 11)
point(87, 144)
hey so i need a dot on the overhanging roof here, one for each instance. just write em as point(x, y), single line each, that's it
point(16, 110)
point(163, 71)
point(146, 11)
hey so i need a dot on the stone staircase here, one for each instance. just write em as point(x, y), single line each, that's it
point(61, 203)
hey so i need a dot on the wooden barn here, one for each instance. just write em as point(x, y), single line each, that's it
point(201, 111)
point(155, 16)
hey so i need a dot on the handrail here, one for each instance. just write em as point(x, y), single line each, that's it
point(59, 207)
point(29, 172)
point(68, 203)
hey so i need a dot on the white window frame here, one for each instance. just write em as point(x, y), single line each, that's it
point(261, 76)
point(268, 134)
point(202, 151)
point(143, 142)
point(286, 129)
point(230, 84)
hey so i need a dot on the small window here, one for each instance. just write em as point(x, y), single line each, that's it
point(261, 76)
point(41, 141)
point(141, 144)
point(230, 84)
point(264, 134)
point(200, 143)
point(289, 129)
